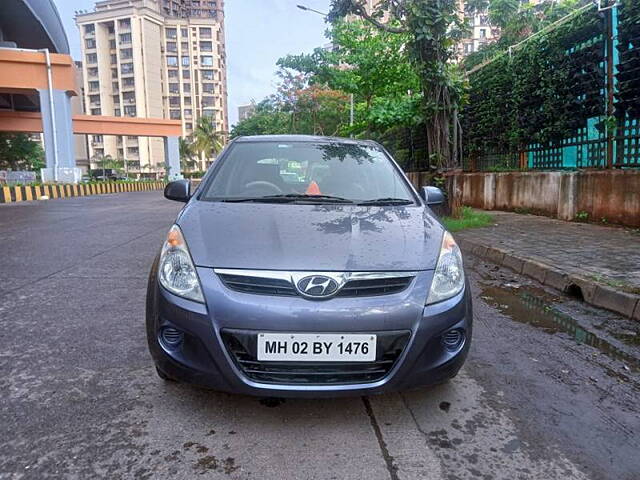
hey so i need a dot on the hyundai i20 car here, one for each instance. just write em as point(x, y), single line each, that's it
point(307, 266)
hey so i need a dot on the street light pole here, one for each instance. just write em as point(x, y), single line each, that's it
point(308, 9)
point(351, 110)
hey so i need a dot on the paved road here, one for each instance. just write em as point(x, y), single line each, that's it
point(547, 393)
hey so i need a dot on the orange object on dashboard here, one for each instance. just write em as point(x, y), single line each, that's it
point(313, 189)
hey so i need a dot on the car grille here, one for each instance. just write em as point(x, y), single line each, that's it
point(242, 346)
point(374, 286)
point(352, 288)
point(258, 285)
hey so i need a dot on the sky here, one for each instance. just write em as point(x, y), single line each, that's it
point(258, 32)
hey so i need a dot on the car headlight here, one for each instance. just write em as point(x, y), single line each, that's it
point(176, 271)
point(448, 279)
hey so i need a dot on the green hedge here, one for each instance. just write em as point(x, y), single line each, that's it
point(541, 96)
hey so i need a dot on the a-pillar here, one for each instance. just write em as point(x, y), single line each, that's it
point(58, 137)
point(172, 158)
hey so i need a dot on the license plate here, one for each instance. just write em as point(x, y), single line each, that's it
point(316, 347)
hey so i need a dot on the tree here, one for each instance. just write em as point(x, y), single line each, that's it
point(433, 29)
point(311, 110)
point(105, 162)
point(476, 6)
point(502, 12)
point(518, 22)
point(320, 111)
point(19, 152)
point(369, 63)
point(187, 153)
point(267, 119)
point(207, 140)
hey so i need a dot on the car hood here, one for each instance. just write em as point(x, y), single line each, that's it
point(311, 237)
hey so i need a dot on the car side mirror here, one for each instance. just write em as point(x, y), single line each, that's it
point(178, 190)
point(432, 196)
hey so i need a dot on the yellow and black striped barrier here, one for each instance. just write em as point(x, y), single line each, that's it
point(52, 191)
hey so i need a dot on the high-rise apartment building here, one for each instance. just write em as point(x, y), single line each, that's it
point(246, 111)
point(153, 58)
point(481, 31)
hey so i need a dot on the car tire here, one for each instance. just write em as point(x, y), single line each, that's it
point(164, 376)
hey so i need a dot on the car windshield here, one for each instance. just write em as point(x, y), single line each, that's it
point(322, 172)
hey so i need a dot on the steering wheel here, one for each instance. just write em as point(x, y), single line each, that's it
point(263, 185)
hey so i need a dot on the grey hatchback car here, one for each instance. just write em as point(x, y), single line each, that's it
point(307, 267)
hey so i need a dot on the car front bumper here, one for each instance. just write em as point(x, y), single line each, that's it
point(205, 356)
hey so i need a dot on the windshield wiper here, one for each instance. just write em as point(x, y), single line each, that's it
point(386, 201)
point(253, 199)
point(306, 196)
point(288, 198)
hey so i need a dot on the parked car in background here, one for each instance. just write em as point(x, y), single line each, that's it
point(337, 280)
point(106, 174)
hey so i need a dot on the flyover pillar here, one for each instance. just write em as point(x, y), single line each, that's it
point(57, 127)
point(172, 158)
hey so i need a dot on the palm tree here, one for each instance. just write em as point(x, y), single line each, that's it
point(207, 140)
point(102, 161)
point(187, 153)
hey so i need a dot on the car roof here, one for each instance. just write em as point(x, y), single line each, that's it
point(303, 139)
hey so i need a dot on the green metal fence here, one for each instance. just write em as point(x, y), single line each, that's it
point(626, 53)
point(577, 106)
point(408, 145)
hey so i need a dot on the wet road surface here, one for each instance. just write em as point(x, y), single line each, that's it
point(551, 389)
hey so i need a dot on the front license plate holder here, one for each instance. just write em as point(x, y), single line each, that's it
point(316, 347)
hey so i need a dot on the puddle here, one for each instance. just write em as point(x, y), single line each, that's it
point(631, 338)
point(527, 305)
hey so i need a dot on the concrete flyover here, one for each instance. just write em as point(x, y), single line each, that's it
point(170, 130)
point(33, 24)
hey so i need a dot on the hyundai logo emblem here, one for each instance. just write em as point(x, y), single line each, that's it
point(317, 286)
